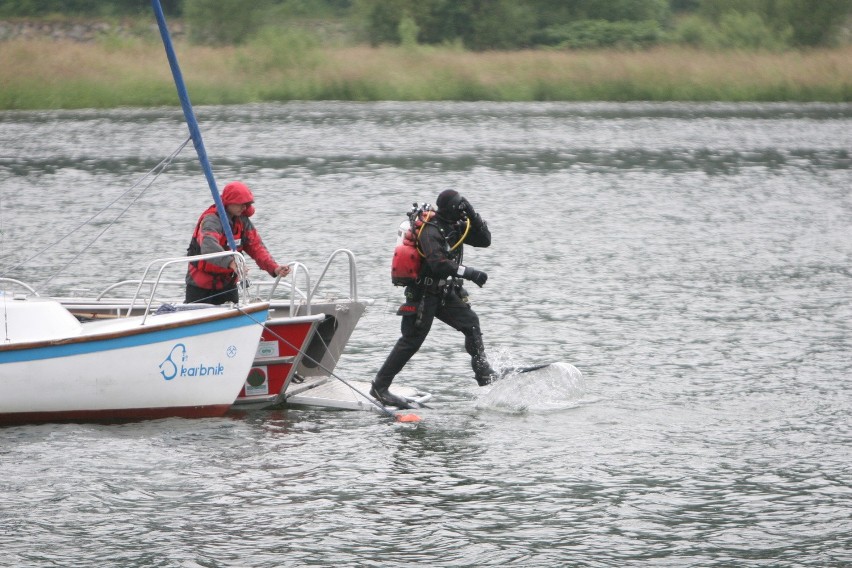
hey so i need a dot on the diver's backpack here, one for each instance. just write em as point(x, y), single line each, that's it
point(407, 256)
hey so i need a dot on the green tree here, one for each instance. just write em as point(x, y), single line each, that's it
point(381, 19)
point(443, 21)
point(224, 21)
point(496, 24)
point(82, 7)
point(556, 12)
point(408, 31)
point(501, 24)
point(684, 5)
point(629, 10)
point(750, 31)
point(596, 34)
point(813, 22)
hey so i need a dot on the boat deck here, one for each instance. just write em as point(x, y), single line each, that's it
point(331, 392)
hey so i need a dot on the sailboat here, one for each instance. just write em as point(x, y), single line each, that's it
point(303, 337)
point(183, 363)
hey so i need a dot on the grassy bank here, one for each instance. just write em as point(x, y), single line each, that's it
point(49, 75)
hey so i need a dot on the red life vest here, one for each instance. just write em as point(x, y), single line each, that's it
point(205, 274)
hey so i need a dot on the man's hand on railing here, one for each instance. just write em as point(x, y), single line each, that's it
point(282, 271)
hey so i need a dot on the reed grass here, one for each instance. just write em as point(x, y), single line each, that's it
point(42, 74)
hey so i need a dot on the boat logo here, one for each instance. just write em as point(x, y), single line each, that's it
point(175, 364)
point(256, 377)
point(257, 382)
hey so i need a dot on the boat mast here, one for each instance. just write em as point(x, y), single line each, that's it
point(191, 122)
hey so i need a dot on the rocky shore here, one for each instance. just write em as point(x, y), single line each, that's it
point(79, 31)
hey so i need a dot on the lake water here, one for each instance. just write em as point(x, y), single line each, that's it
point(688, 266)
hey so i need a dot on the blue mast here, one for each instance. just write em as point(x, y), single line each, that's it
point(191, 122)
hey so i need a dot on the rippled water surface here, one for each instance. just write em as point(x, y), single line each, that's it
point(688, 266)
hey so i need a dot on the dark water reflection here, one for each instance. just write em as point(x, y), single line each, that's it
point(692, 261)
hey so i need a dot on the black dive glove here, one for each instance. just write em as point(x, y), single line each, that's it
point(476, 276)
point(468, 210)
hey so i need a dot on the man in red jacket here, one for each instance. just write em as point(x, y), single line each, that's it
point(214, 281)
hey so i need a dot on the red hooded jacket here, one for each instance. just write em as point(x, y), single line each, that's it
point(209, 236)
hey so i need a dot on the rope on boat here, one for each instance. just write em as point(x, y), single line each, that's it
point(156, 171)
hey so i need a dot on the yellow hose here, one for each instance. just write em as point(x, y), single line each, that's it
point(463, 237)
point(454, 247)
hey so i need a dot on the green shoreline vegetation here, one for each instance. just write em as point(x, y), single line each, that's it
point(43, 74)
point(232, 51)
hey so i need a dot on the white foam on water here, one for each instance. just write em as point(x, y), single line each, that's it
point(555, 387)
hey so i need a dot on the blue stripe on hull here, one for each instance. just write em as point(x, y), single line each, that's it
point(135, 340)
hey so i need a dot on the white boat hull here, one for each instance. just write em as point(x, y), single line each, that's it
point(187, 364)
point(288, 349)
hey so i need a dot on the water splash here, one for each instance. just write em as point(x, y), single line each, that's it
point(555, 387)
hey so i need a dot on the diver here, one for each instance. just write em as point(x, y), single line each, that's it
point(438, 292)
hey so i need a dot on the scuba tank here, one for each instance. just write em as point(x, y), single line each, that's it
point(407, 256)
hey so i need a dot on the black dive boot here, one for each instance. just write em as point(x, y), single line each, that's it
point(487, 377)
point(386, 397)
point(397, 359)
point(483, 373)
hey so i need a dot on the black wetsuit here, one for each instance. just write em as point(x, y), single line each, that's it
point(439, 294)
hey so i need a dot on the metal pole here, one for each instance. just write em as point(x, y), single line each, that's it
point(191, 122)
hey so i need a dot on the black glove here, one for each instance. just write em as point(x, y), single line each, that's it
point(476, 276)
point(468, 210)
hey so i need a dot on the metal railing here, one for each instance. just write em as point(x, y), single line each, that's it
point(24, 285)
point(298, 271)
point(239, 259)
point(311, 291)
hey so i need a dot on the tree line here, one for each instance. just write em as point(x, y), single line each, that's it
point(497, 24)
